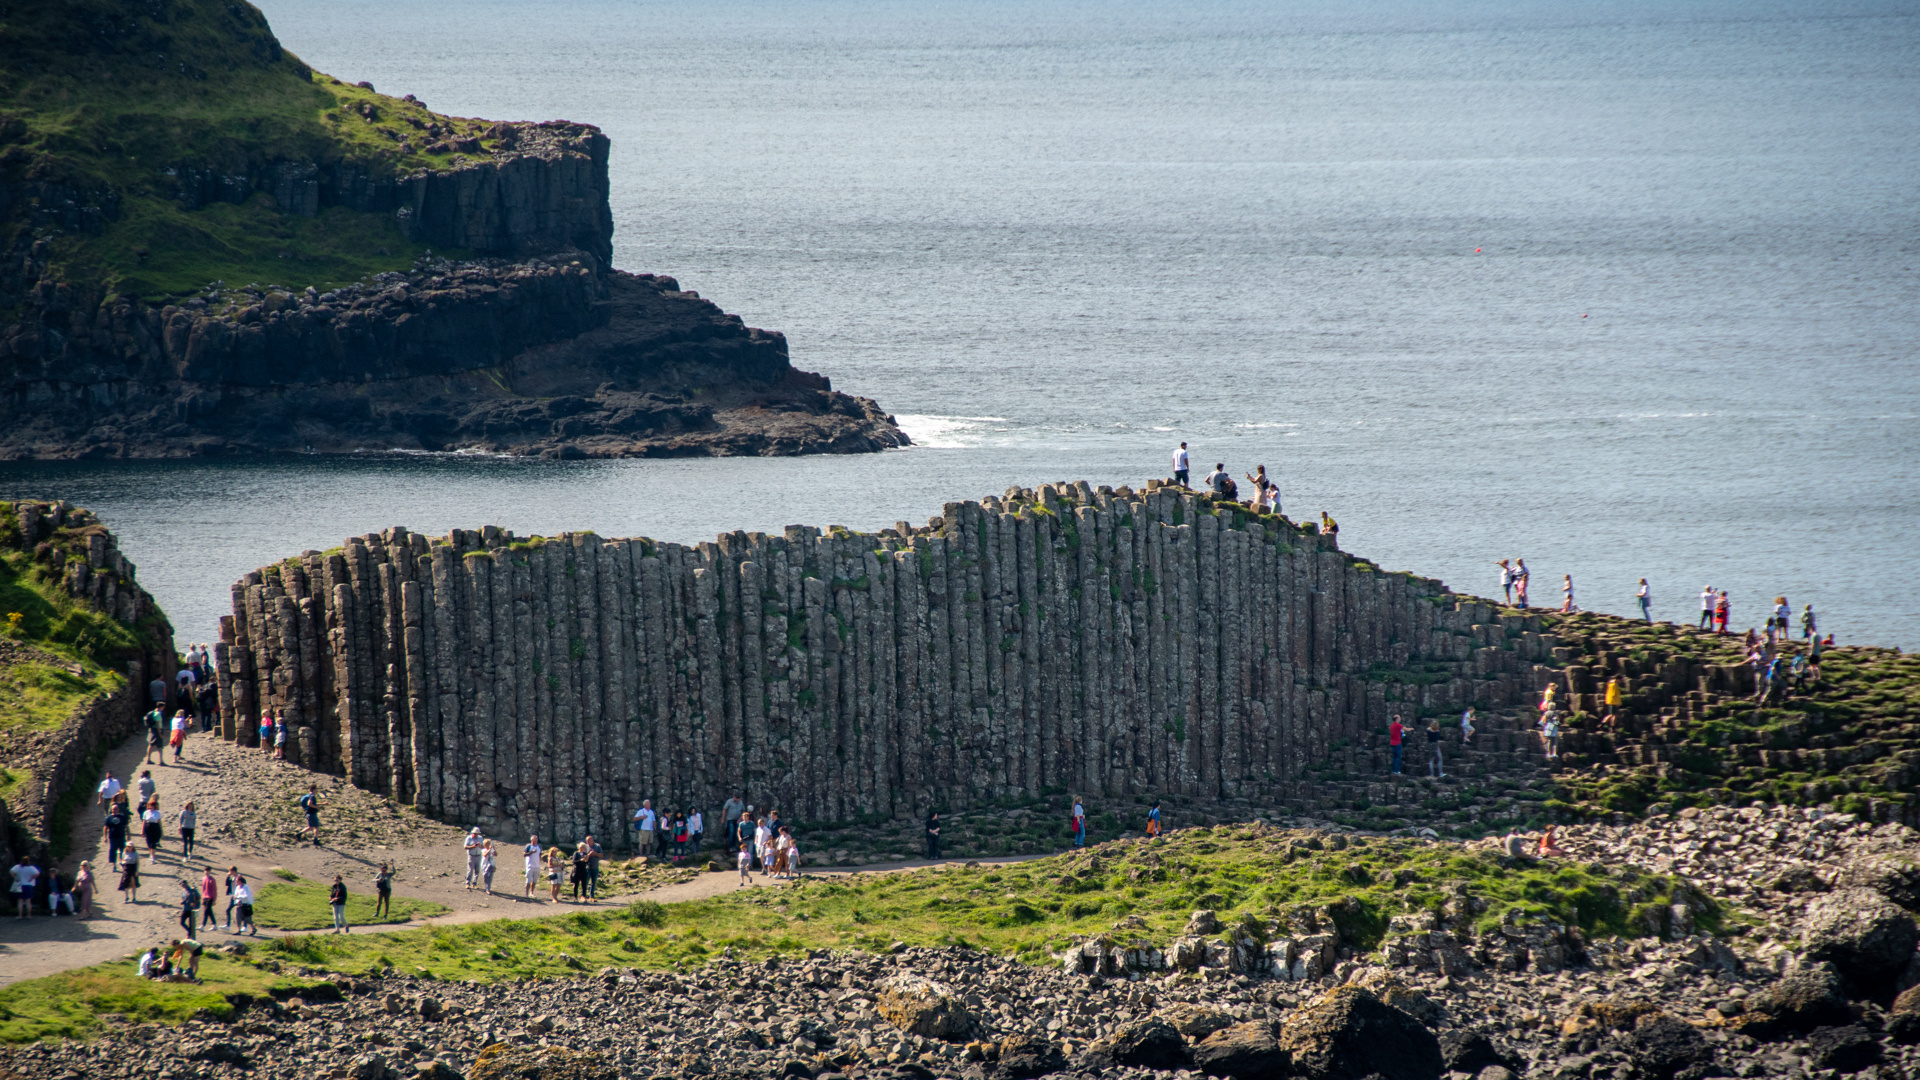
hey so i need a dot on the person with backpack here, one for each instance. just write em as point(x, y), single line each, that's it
point(1153, 820)
point(189, 905)
point(156, 722)
point(383, 885)
point(1078, 820)
point(1220, 481)
point(310, 802)
point(243, 902)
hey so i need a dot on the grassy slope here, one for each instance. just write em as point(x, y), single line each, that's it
point(302, 905)
point(1029, 910)
point(88, 105)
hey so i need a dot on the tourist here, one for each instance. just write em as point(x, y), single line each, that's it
point(1180, 468)
point(146, 788)
point(696, 828)
point(1514, 845)
point(1506, 578)
point(730, 813)
point(157, 692)
point(643, 822)
point(1706, 607)
point(337, 900)
point(181, 722)
point(763, 845)
point(933, 834)
point(156, 722)
point(1466, 727)
point(1615, 695)
point(266, 733)
point(1522, 577)
point(1550, 734)
point(151, 963)
point(793, 856)
point(1799, 673)
point(1436, 765)
point(84, 886)
point(232, 886)
point(1807, 627)
point(743, 830)
point(594, 855)
point(130, 875)
point(111, 787)
point(243, 895)
point(1609, 723)
point(781, 842)
point(280, 739)
point(1258, 478)
point(186, 955)
point(489, 858)
point(579, 872)
point(115, 828)
point(746, 866)
point(1153, 820)
point(1646, 601)
point(1782, 618)
point(189, 905)
point(472, 845)
point(58, 894)
point(209, 889)
point(152, 825)
point(310, 802)
point(1566, 590)
point(1078, 819)
point(383, 890)
point(677, 837)
point(532, 855)
point(25, 874)
point(1219, 481)
point(556, 870)
point(1396, 744)
point(1273, 498)
point(189, 822)
point(1549, 846)
point(1722, 610)
point(1328, 526)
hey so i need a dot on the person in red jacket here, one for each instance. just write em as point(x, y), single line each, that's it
point(1396, 735)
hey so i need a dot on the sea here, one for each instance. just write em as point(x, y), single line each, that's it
point(1627, 289)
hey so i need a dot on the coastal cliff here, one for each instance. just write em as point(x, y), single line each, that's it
point(411, 280)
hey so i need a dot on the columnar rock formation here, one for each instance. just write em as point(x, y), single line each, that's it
point(1069, 639)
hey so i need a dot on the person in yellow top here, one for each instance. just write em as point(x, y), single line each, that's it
point(1328, 526)
point(1613, 694)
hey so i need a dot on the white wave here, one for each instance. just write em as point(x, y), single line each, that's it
point(945, 431)
point(1266, 424)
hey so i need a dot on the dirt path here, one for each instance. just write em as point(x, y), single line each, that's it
point(248, 819)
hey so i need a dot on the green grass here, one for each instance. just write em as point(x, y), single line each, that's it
point(97, 113)
point(70, 1005)
point(303, 906)
point(39, 695)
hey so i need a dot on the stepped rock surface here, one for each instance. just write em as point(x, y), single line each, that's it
point(128, 332)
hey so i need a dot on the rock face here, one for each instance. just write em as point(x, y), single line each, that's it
point(1105, 642)
point(1860, 932)
point(1350, 1034)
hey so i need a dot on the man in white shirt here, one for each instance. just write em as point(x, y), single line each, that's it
point(1180, 468)
point(472, 846)
point(643, 822)
point(1706, 608)
point(109, 788)
point(696, 826)
point(24, 876)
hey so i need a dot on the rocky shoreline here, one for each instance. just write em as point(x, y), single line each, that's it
point(1811, 977)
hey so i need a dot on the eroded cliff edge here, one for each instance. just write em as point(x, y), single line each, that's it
point(412, 280)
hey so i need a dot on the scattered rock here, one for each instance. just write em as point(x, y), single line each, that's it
point(1807, 997)
point(1024, 1057)
point(1196, 1021)
point(1151, 1043)
point(1846, 1048)
point(1248, 1051)
point(1350, 1033)
point(503, 1062)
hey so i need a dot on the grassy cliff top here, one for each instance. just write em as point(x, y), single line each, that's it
point(105, 104)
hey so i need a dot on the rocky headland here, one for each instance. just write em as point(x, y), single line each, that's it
point(230, 253)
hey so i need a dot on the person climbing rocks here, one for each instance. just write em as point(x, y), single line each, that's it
point(1180, 467)
point(1646, 601)
point(1396, 737)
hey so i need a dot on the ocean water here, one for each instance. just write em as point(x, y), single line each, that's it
point(1625, 289)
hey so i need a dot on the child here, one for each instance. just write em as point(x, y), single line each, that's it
point(266, 734)
point(746, 865)
point(1466, 727)
point(487, 860)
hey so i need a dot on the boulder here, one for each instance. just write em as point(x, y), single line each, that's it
point(1891, 874)
point(1196, 1021)
point(1663, 1047)
point(921, 1006)
point(505, 1062)
point(1470, 1051)
point(1246, 1051)
point(1023, 1057)
point(1201, 923)
point(1349, 1033)
point(1869, 938)
point(1391, 989)
point(1151, 1043)
point(1846, 1048)
point(1903, 1020)
point(1806, 997)
point(369, 1067)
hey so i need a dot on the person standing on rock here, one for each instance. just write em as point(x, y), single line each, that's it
point(472, 845)
point(1722, 612)
point(1522, 577)
point(1807, 627)
point(1396, 744)
point(933, 834)
point(1436, 765)
point(1466, 727)
point(1645, 597)
point(1180, 466)
point(337, 900)
point(1782, 618)
point(1706, 608)
point(531, 853)
point(1566, 590)
point(279, 738)
point(1506, 578)
point(310, 802)
point(1550, 734)
point(1616, 694)
point(643, 823)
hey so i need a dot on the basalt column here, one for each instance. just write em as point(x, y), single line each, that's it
point(1070, 639)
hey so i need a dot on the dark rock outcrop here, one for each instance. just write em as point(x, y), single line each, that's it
point(1247, 1051)
point(1151, 1043)
point(1863, 934)
point(1349, 1034)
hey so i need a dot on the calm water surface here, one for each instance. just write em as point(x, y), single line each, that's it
point(1628, 292)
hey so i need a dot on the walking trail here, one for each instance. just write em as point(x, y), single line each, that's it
point(248, 818)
